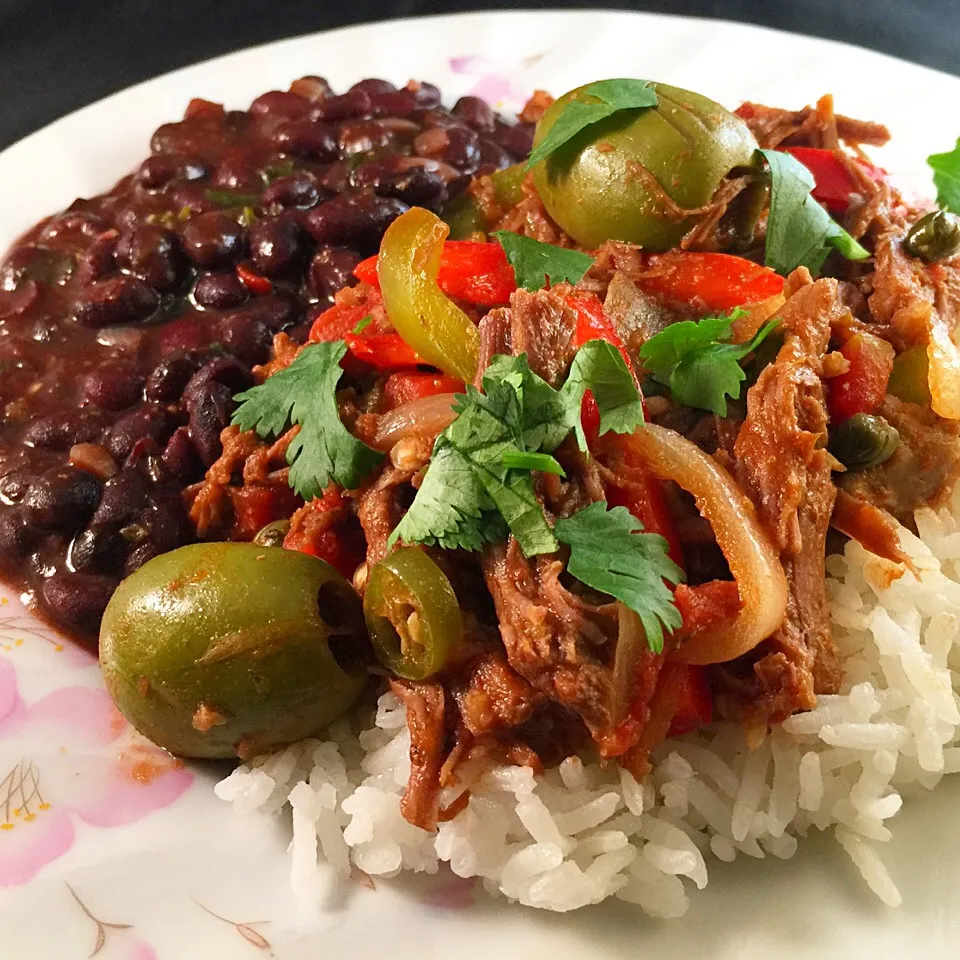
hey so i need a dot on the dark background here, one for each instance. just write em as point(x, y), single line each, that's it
point(57, 55)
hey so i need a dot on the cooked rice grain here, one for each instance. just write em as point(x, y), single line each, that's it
point(582, 832)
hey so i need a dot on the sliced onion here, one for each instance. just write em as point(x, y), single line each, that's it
point(752, 558)
point(426, 417)
point(943, 374)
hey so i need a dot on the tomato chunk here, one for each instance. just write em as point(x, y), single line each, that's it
point(694, 702)
point(862, 388)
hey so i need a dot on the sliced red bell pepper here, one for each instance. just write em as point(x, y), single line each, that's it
point(713, 281)
point(707, 605)
point(469, 270)
point(311, 532)
point(384, 351)
point(256, 505)
point(403, 387)
point(834, 183)
point(198, 107)
point(340, 319)
point(252, 280)
point(594, 324)
point(862, 388)
point(694, 702)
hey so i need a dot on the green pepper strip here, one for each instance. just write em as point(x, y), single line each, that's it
point(412, 614)
point(434, 326)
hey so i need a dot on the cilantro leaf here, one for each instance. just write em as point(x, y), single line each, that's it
point(534, 262)
point(600, 368)
point(946, 177)
point(324, 451)
point(608, 97)
point(363, 323)
point(532, 461)
point(609, 553)
point(694, 359)
point(800, 233)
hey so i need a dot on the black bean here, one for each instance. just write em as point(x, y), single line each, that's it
point(280, 103)
point(78, 599)
point(397, 103)
point(226, 370)
point(312, 87)
point(246, 336)
point(306, 138)
point(335, 177)
point(463, 149)
point(426, 94)
point(74, 224)
point(299, 189)
point(149, 421)
point(238, 171)
point(96, 548)
point(476, 113)
point(213, 240)
point(167, 523)
point(417, 186)
point(180, 457)
point(373, 85)
point(219, 291)
point(17, 536)
point(14, 484)
point(330, 270)
point(124, 495)
point(274, 245)
point(62, 498)
point(169, 377)
point(31, 262)
point(138, 556)
point(162, 169)
point(152, 254)
point(516, 139)
point(437, 117)
point(363, 136)
point(191, 198)
point(209, 408)
point(114, 301)
point(98, 259)
point(345, 107)
point(113, 385)
point(59, 431)
point(493, 155)
point(357, 219)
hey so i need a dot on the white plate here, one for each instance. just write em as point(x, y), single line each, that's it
point(108, 848)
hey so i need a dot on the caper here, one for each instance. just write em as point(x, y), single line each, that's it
point(864, 441)
point(935, 236)
point(273, 534)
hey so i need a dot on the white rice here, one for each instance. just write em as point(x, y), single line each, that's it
point(582, 832)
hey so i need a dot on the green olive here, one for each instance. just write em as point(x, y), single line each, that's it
point(609, 181)
point(273, 534)
point(863, 441)
point(909, 377)
point(412, 614)
point(219, 649)
point(462, 214)
point(934, 237)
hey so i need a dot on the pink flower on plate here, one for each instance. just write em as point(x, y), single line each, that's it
point(493, 82)
point(74, 758)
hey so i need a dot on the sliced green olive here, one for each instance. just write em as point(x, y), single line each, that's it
point(412, 614)
point(908, 380)
point(863, 441)
point(273, 534)
point(934, 237)
point(630, 176)
point(223, 649)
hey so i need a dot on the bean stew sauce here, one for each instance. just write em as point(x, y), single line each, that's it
point(128, 321)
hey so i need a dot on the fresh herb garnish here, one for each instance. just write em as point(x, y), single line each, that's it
point(946, 177)
point(363, 323)
point(695, 359)
point(578, 113)
point(534, 263)
point(479, 471)
point(609, 552)
point(532, 461)
point(800, 233)
point(324, 451)
point(231, 198)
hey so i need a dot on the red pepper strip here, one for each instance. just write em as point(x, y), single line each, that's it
point(340, 320)
point(311, 532)
point(384, 351)
point(252, 280)
point(834, 182)
point(594, 324)
point(475, 272)
point(401, 388)
point(256, 505)
point(694, 702)
point(714, 281)
point(862, 388)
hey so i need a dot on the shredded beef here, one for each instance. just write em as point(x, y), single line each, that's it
point(782, 461)
point(379, 510)
point(812, 126)
point(637, 315)
point(923, 470)
point(492, 697)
